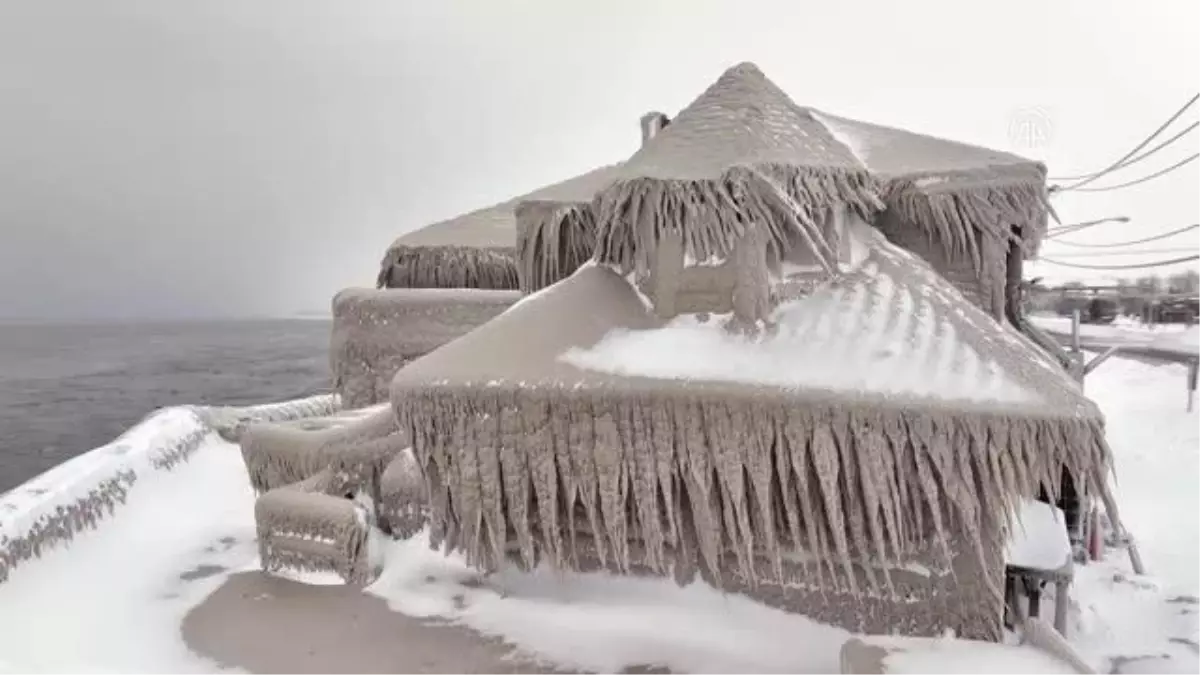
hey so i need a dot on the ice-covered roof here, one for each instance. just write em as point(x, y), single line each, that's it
point(742, 152)
point(891, 331)
point(896, 153)
point(495, 226)
point(746, 119)
point(475, 250)
point(742, 119)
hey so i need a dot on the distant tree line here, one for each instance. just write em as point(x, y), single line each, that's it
point(1181, 283)
point(1151, 297)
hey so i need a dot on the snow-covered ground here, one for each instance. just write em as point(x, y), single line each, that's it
point(114, 598)
point(1126, 331)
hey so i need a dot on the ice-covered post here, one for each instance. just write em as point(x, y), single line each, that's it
point(1076, 347)
point(1075, 320)
point(752, 288)
point(1193, 367)
point(665, 275)
point(1096, 362)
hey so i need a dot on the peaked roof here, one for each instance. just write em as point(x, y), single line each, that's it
point(742, 152)
point(476, 250)
point(884, 414)
point(745, 118)
point(742, 119)
point(495, 226)
point(917, 342)
point(896, 153)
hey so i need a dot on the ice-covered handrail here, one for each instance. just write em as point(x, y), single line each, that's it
point(49, 510)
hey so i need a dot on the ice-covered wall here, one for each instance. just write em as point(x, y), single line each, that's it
point(375, 332)
point(983, 286)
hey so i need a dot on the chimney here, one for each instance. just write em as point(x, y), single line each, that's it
point(652, 123)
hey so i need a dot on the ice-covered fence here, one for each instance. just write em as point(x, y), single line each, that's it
point(49, 510)
point(1182, 346)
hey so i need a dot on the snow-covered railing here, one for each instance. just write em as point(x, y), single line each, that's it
point(50, 509)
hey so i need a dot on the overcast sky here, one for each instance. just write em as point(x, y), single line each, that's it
point(239, 157)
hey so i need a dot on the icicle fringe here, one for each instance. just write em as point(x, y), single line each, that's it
point(963, 217)
point(634, 214)
point(731, 486)
point(553, 240)
point(448, 267)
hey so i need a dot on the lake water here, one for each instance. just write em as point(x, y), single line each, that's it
point(65, 389)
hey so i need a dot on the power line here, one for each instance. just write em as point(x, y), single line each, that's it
point(1160, 263)
point(1075, 227)
point(1140, 157)
point(1145, 178)
point(1116, 165)
point(1116, 244)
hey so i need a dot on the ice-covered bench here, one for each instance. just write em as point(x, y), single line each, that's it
point(1038, 552)
point(324, 483)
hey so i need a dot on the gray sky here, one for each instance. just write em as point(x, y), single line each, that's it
point(234, 157)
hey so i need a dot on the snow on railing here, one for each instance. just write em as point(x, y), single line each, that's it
point(49, 510)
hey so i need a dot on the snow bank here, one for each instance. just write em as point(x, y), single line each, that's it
point(127, 538)
point(1039, 539)
point(604, 623)
point(50, 509)
point(1146, 624)
point(1156, 444)
point(113, 601)
point(1125, 331)
point(948, 656)
point(1186, 341)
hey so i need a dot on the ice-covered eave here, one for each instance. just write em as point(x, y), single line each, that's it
point(710, 213)
point(999, 178)
point(1010, 190)
point(737, 431)
point(961, 207)
point(562, 389)
point(553, 239)
point(448, 266)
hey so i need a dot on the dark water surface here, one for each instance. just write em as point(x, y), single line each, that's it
point(65, 389)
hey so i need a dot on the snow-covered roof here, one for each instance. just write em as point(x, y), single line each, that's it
point(891, 329)
point(744, 152)
point(742, 119)
point(475, 250)
point(949, 188)
point(896, 153)
point(496, 226)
